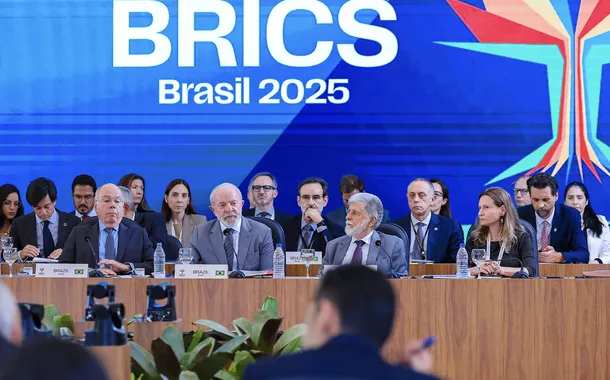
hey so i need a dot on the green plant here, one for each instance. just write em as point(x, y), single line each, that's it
point(60, 325)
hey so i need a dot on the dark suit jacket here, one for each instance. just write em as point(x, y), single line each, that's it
point(154, 224)
point(343, 357)
point(134, 245)
point(444, 237)
point(23, 230)
point(7, 350)
point(338, 216)
point(565, 235)
point(292, 230)
point(279, 216)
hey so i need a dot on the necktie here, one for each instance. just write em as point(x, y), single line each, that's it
point(357, 258)
point(307, 231)
point(417, 253)
point(84, 217)
point(110, 252)
point(544, 236)
point(229, 250)
point(264, 214)
point(47, 239)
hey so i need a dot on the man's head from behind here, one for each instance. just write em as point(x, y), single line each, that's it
point(10, 317)
point(109, 205)
point(543, 189)
point(352, 299)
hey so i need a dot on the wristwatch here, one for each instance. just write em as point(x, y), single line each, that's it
point(322, 223)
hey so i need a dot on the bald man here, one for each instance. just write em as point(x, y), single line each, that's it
point(119, 246)
point(239, 242)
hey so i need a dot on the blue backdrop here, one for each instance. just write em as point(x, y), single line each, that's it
point(434, 111)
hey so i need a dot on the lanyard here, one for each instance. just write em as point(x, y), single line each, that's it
point(500, 255)
point(420, 243)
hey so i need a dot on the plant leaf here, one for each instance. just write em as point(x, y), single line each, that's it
point(295, 332)
point(292, 347)
point(243, 326)
point(241, 360)
point(144, 359)
point(209, 366)
point(267, 334)
point(64, 331)
point(200, 352)
point(225, 375)
point(232, 345)
point(165, 359)
point(50, 312)
point(216, 327)
point(270, 305)
point(173, 338)
point(260, 318)
point(188, 375)
point(196, 338)
point(65, 321)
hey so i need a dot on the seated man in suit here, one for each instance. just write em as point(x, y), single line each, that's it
point(152, 222)
point(239, 242)
point(348, 323)
point(558, 227)
point(363, 244)
point(350, 185)
point(431, 237)
point(44, 231)
point(263, 187)
point(83, 192)
point(10, 325)
point(310, 229)
point(119, 246)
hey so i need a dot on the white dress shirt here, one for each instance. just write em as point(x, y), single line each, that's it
point(426, 223)
point(53, 227)
point(271, 212)
point(235, 235)
point(352, 247)
point(539, 226)
point(91, 214)
point(599, 247)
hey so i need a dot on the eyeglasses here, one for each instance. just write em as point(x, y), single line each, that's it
point(7, 202)
point(266, 188)
point(438, 194)
point(307, 198)
point(522, 191)
point(86, 197)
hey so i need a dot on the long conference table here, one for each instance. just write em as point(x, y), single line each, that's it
point(544, 328)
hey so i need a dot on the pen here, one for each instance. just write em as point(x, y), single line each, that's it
point(429, 342)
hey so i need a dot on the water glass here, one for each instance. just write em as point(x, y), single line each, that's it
point(478, 257)
point(308, 256)
point(185, 255)
point(10, 256)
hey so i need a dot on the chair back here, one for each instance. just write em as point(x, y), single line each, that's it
point(277, 232)
point(389, 228)
point(172, 249)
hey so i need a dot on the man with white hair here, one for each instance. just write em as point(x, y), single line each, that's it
point(230, 239)
point(362, 245)
point(10, 324)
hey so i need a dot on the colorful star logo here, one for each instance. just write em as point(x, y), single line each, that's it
point(541, 31)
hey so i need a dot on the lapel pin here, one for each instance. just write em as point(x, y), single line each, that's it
point(65, 224)
point(555, 230)
point(435, 228)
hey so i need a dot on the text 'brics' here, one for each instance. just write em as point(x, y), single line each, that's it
point(188, 35)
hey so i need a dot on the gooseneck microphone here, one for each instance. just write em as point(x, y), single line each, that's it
point(522, 273)
point(237, 273)
point(391, 272)
point(95, 272)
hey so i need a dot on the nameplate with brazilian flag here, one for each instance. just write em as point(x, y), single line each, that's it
point(62, 270)
point(201, 271)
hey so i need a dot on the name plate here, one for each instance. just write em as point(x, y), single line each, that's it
point(295, 258)
point(328, 268)
point(201, 271)
point(62, 270)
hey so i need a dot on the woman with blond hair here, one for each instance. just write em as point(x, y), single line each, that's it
point(499, 231)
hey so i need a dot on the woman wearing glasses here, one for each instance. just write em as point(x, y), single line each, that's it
point(11, 207)
point(180, 215)
point(498, 231)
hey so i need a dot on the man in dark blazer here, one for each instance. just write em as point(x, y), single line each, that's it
point(431, 237)
point(231, 239)
point(350, 319)
point(310, 229)
point(152, 222)
point(119, 246)
point(43, 232)
point(83, 192)
point(264, 191)
point(558, 227)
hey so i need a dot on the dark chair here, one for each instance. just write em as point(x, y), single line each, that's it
point(277, 232)
point(173, 248)
point(396, 230)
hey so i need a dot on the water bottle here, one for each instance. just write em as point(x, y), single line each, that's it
point(278, 262)
point(461, 270)
point(159, 262)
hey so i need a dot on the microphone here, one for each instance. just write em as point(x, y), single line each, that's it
point(391, 272)
point(95, 272)
point(237, 273)
point(522, 273)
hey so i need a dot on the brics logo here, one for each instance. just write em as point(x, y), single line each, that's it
point(220, 273)
point(79, 271)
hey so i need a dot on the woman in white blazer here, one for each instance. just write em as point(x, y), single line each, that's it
point(595, 226)
point(180, 216)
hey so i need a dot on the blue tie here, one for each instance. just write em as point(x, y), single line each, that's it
point(47, 239)
point(109, 245)
point(357, 258)
point(229, 250)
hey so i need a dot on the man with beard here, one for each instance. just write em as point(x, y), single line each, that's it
point(263, 189)
point(239, 242)
point(363, 245)
point(560, 238)
point(83, 191)
point(310, 229)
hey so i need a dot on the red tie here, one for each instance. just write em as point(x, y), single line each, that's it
point(544, 238)
point(84, 217)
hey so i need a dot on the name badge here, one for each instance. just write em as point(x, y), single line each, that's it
point(62, 270)
point(328, 268)
point(295, 258)
point(201, 271)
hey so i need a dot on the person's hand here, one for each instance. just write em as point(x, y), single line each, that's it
point(549, 255)
point(417, 357)
point(115, 266)
point(55, 254)
point(593, 262)
point(107, 272)
point(29, 251)
point(491, 268)
point(312, 215)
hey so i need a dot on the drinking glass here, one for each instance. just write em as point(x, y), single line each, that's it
point(307, 256)
point(10, 256)
point(478, 257)
point(185, 255)
point(6, 242)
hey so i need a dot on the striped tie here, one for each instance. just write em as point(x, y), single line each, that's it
point(544, 236)
point(229, 250)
